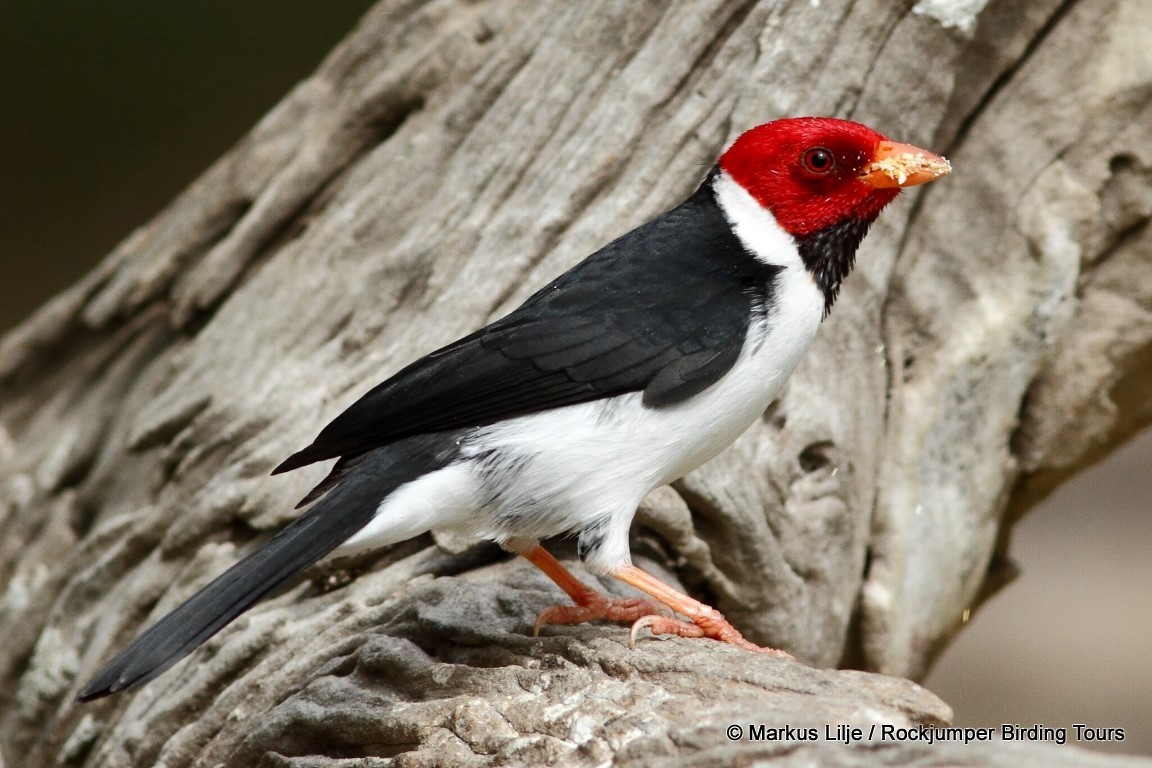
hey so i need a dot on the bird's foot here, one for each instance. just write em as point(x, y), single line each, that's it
point(711, 624)
point(591, 605)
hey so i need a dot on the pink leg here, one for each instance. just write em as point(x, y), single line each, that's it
point(589, 604)
point(706, 621)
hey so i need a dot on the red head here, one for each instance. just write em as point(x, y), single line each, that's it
point(815, 172)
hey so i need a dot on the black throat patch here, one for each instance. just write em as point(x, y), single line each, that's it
point(830, 253)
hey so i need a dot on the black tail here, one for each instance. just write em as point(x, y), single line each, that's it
point(303, 543)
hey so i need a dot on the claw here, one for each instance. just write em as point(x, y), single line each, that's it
point(712, 625)
point(658, 615)
point(704, 620)
point(589, 604)
point(593, 605)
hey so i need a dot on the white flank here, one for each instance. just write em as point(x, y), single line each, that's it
point(440, 499)
point(591, 464)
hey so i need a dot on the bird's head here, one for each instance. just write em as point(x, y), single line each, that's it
point(814, 173)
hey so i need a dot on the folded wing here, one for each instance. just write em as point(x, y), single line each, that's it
point(664, 310)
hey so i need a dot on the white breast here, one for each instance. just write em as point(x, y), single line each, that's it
point(589, 465)
point(592, 463)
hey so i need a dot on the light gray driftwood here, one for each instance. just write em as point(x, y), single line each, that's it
point(447, 158)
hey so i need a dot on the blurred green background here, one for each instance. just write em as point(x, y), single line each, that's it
point(108, 110)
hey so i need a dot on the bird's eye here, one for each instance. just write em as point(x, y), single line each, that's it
point(819, 161)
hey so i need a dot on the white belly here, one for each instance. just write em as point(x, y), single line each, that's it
point(565, 469)
point(587, 467)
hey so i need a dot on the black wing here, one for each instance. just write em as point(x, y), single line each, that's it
point(664, 309)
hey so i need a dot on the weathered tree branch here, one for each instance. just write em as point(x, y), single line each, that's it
point(446, 159)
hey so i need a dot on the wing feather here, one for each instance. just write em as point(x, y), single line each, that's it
point(664, 310)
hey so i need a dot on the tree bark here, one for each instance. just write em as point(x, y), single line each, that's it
point(449, 157)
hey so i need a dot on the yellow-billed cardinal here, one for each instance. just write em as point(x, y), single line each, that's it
point(621, 375)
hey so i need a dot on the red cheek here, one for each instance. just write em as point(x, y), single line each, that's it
point(803, 206)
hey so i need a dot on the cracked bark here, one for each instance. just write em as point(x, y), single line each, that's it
point(448, 157)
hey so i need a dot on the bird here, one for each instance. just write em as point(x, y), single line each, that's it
point(623, 374)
